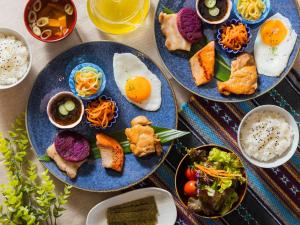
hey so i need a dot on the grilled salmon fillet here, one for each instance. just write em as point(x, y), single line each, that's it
point(203, 64)
point(111, 151)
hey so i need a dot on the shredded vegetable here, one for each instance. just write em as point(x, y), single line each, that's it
point(234, 36)
point(100, 112)
point(216, 173)
point(87, 81)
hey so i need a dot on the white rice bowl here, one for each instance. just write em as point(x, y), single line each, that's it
point(15, 58)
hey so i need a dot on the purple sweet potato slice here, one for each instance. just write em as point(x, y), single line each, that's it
point(71, 146)
point(189, 25)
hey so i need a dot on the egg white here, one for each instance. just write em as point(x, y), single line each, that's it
point(126, 66)
point(272, 61)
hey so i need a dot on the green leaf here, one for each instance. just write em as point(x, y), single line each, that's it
point(44, 158)
point(167, 10)
point(223, 71)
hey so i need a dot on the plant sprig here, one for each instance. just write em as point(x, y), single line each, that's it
point(28, 198)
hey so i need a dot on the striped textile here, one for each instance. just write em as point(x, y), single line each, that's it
point(273, 195)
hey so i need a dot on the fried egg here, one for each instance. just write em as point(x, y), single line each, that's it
point(274, 44)
point(136, 82)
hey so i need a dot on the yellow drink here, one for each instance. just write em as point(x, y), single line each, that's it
point(118, 16)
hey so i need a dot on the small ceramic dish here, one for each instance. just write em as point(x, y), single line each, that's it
point(116, 113)
point(285, 156)
point(67, 121)
point(167, 212)
point(180, 181)
point(18, 36)
point(226, 49)
point(72, 81)
point(53, 38)
point(252, 22)
point(223, 19)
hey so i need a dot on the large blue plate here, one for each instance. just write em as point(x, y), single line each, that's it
point(178, 65)
point(54, 78)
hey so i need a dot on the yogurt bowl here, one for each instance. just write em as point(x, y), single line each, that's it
point(273, 128)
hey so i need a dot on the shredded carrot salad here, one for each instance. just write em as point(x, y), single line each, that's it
point(234, 36)
point(87, 82)
point(100, 112)
point(216, 173)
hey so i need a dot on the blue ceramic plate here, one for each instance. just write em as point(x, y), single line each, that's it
point(178, 64)
point(54, 78)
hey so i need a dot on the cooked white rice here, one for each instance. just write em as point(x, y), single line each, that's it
point(266, 135)
point(14, 59)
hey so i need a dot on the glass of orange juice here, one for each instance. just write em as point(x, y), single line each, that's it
point(118, 16)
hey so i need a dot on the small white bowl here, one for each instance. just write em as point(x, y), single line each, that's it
point(167, 212)
point(286, 155)
point(19, 37)
point(53, 99)
point(218, 21)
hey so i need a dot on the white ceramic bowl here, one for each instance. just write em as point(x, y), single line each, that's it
point(285, 156)
point(167, 212)
point(218, 21)
point(20, 37)
point(53, 99)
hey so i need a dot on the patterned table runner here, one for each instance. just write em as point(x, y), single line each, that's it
point(274, 194)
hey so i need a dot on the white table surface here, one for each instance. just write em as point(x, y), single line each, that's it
point(13, 101)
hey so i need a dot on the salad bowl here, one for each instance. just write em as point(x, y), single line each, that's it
point(181, 179)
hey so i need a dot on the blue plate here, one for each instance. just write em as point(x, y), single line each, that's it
point(178, 65)
point(54, 78)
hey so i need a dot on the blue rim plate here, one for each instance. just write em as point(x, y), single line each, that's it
point(54, 78)
point(178, 65)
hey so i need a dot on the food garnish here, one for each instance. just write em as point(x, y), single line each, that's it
point(136, 82)
point(72, 146)
point(251, 9)
point(203, 64)
point(100, 112)
point(266, 136)
point(69, 167)
point(142, 138)
point(14, 59)
point(50, 19)
point(219, 175)
point(234, 36)
point(210, 3)
point(141, 211)
point(274, 44)
point(243, 78)
point(112, 154)
point(189, 25)
point(87, 81)
point(174, 39)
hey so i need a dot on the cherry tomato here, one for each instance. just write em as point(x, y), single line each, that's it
point(190, 174)
point(190, 188)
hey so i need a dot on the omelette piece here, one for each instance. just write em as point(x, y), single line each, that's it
point(69, 167)
point(203, 64)
point(174, 40)
point(111, 151)
point(243, 78)
point(142, 138)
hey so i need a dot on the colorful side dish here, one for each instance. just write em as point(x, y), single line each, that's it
point(251, 9)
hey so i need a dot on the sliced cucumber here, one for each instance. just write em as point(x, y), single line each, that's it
point(214, 11)
point(69, 105)
point(62, 110)
point(210, 3)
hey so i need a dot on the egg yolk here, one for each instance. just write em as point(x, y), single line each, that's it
point(138, 89)
point(273, 32)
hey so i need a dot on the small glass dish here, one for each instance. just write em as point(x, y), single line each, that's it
point(226, 49)
point(252, 22)
point(112, 122)
point(72, 81)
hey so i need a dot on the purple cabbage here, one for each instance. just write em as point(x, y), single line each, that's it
point(71, 146)
point(189, 25)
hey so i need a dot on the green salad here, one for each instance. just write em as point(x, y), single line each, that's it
point(214, 178)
